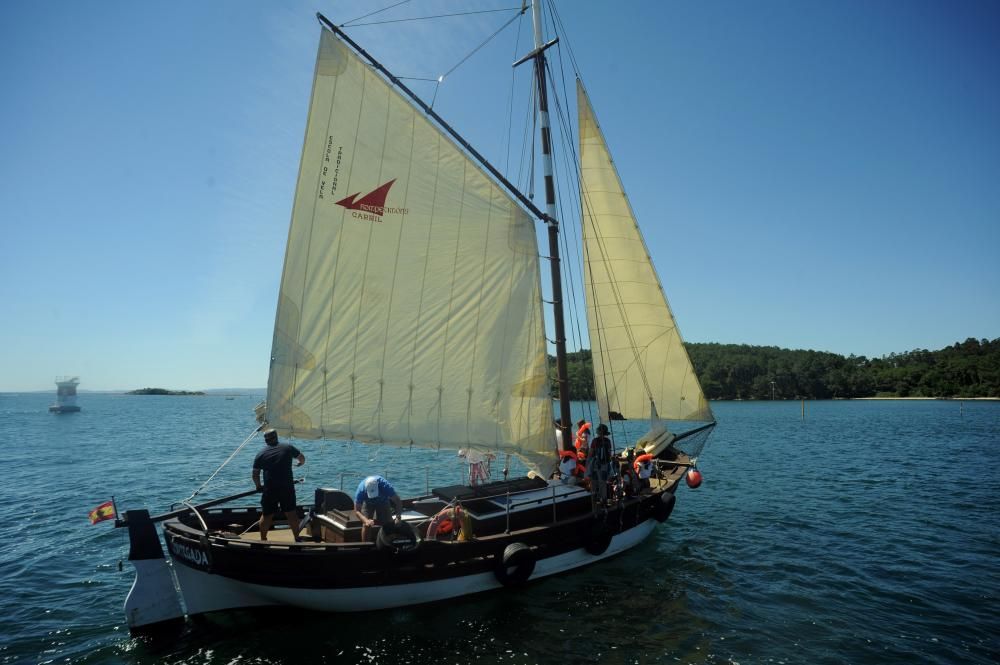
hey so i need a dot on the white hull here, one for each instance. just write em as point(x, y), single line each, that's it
point(153, 596)
point(203, 592)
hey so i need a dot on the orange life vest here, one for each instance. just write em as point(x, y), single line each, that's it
point(640, 461)
point(564, 455)
point(446, 521)
point(581, 436)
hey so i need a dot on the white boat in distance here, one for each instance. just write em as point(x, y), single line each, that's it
point(410, 314)
point(66, 395)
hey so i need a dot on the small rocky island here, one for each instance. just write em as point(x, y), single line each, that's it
point(162, 391)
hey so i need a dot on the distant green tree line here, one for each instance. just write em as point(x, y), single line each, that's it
point(739, 371)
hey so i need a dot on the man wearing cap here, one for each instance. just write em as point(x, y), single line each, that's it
point(599, 464)
point(372, 500)
point(278, 488)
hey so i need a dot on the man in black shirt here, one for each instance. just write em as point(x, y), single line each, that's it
point(275, 460)
point(599, 464)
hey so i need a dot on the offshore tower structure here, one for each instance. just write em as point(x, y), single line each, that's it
point(66, 395)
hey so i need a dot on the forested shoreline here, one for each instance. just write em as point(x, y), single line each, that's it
point(739, 371)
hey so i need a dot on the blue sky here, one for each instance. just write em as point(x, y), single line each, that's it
point(808, 175)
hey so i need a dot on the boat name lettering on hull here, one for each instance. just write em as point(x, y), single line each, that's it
point(189, 554)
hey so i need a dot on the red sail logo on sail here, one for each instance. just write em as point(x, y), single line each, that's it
point(371, 206)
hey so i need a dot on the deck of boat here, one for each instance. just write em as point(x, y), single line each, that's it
point(282, 536)
point(670, 474)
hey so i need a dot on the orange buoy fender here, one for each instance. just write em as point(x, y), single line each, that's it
point(693, 478)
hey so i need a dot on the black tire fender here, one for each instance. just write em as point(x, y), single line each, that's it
point(398, 538)
point(599, 539)
point(515, 565)
point(664, 507)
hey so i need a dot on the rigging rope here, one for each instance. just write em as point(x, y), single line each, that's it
point(377, 11)
point(510, 101)
point(564, 122)
point(566, 128)
point(422, 18)
point(471, 53)
point(228, 460)
point(619, 300)
point(619, 304)
point(528, 143)
point(485, 42)
point(440, 79)
point(557, 21)
point(573, 203)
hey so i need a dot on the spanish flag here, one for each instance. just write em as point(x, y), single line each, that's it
point(105, 511)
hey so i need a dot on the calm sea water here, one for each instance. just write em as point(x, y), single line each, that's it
point(869, 532)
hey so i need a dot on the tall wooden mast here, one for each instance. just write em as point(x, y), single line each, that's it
point(562, 374)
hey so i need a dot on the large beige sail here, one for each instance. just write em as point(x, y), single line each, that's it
point(640, 363)
point(410, 307)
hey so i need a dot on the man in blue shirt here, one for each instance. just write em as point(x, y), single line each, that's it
point(372, 500)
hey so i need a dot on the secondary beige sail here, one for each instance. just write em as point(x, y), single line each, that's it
point(640, 364)
point(410, 306)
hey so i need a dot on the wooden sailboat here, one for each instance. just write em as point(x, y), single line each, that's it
point(410, 314)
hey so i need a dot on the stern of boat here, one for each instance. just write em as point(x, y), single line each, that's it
point(153, 601)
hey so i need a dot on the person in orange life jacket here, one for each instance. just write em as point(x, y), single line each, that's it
point(570, 469)
point(278, 488)
point(582, 439)
point(371, 503)
point(599, 463)
point(644, 468)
